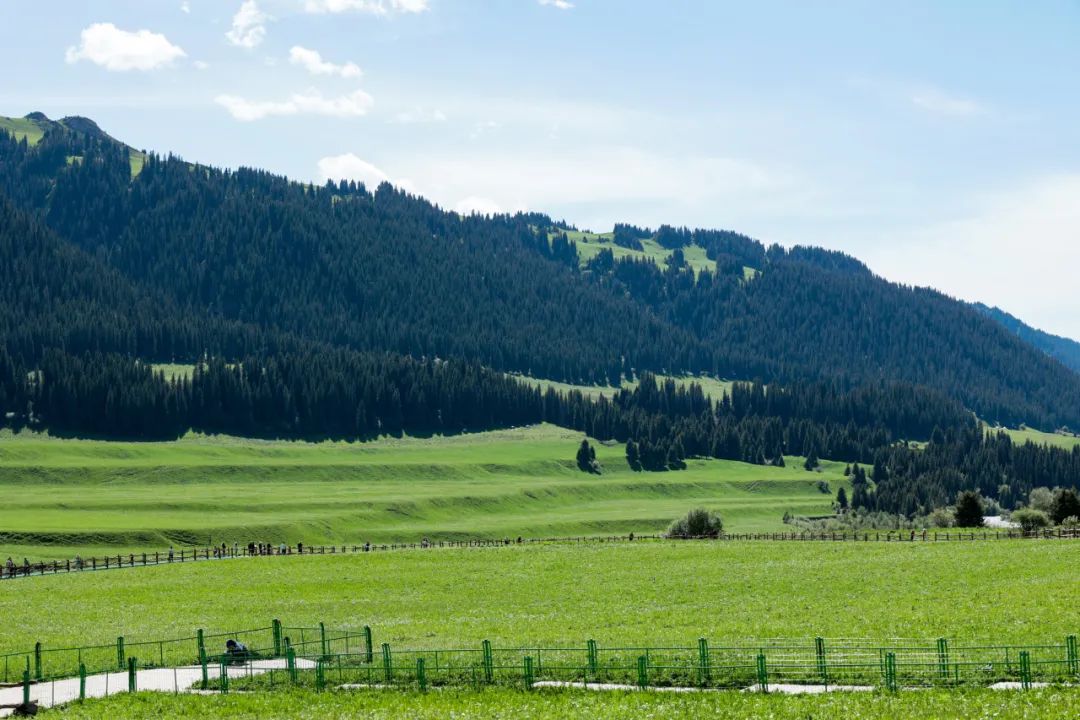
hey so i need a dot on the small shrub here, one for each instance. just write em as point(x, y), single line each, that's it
point(941, 518)
point(698, 523)
point(1030, 519)
point(1072, 522)
point(1041, 498)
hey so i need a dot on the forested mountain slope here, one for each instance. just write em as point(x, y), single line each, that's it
point(230, 263)
point(1063, 349)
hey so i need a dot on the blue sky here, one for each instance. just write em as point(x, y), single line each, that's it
point(939, 142)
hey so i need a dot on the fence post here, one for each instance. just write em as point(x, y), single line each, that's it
point(387, 667)
point(37, 661)
point(322, 640)
point(200, 642)
point(890, 671)
point(943, 658)
point(223, 683)
point(320, 674)
point(643, 672)
point(704, 668)
point(421, 676)
point(26, 686)
point(276, 625)
point(82, 681)
point(591, 652)
point(1074, 660)
point(120, 652)
point(1025, 670)
point(290, 664)
point(489, 668)
point(202, 665)
point(528, 673)
point(367, 645)
point(762, 673)
point(822, 667)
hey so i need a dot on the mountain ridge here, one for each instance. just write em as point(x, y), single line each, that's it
point(381, 270)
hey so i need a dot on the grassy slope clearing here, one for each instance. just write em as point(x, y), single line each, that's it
point(1058, 439)
point(64, 497)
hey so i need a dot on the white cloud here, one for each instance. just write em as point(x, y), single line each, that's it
point(420, 115)
point(483, 127)
point(1018, 249)
point(561, 4)
point(248, 25)
point(475, 204)
point(373, 7)
point(312, 102)
point(941, 103)
point(185, 7)
point(110, 47)
point(201, 65)
point(351, 167)
point(312, 61)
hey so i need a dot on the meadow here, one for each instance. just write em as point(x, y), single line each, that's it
point(657, 593)
point(64, 496)
point(503, 704)
point(1064, 440)
point(646, 592)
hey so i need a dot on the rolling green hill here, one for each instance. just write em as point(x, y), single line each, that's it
point(68, 496)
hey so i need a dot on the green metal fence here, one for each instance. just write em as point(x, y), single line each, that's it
point(44, 662)
point(758, 665)
point(320, 657)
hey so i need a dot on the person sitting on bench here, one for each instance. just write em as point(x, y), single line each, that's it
point(236, 650)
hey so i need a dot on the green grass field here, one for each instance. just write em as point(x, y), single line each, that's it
point(649, 592)
point(64, 497)
point(656, 593)
point(504, 704)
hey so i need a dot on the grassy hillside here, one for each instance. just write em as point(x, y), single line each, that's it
point(68, 496)
point(33, 129)
point(589, 244)
point(21, 128)
point(712, 387)
point(1057, 439)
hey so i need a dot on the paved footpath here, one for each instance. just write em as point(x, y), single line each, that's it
point(173, 680)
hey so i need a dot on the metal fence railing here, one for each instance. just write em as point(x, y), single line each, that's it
point(120, 561)
point(316, 657)
point(44, 662)
point(829, 663)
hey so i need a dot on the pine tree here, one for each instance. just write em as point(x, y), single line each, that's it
point(841, 500)
point(969, 509)
point(633, 458)
point(1066, 505)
